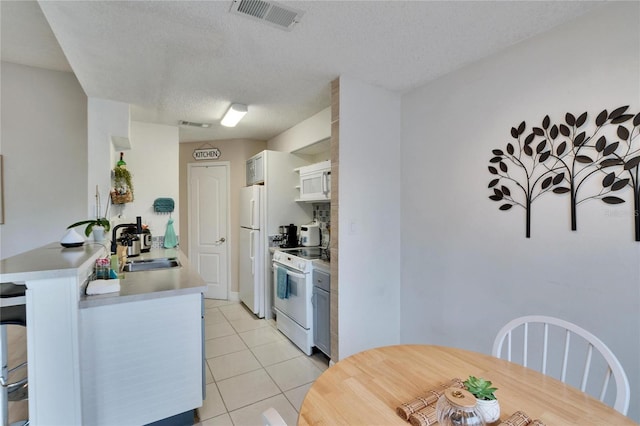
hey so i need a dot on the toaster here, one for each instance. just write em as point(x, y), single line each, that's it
point(310, 235)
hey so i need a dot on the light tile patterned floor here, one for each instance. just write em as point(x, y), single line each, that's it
point(251, 366)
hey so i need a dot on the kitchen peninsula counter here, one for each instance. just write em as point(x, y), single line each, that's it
point(81, 350)
point(50, 261)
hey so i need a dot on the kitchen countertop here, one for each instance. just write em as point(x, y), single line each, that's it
point(50, 261)
point(145, 285)
point(322, 264)
point(55, 261)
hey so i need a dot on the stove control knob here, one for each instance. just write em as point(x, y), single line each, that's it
point(276, 256)
point(301, 266)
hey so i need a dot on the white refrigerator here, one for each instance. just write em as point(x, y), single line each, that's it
point(251, 257)
point(263, 208)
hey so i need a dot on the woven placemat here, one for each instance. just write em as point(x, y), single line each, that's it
point(425, 417)
point(430, 397)
point(520, 418)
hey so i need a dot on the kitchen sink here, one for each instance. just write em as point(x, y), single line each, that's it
point(151, 264)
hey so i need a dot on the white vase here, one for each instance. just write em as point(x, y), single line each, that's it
point(98, 233)
point(490, 410)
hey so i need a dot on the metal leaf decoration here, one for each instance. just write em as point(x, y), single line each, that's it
point(561, 157)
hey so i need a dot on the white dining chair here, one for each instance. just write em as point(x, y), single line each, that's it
point(271, 417)
point(539, 338)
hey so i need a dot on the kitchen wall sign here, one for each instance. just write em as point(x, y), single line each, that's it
point(208, 153)
point(560, 157)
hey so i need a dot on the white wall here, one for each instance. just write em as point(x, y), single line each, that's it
point(43, 136)
point(154, 163)
point(369, 197)
point(313, 129)
point(467, 267)
point(105, 120)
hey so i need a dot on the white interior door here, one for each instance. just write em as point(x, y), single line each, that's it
point(208, 225)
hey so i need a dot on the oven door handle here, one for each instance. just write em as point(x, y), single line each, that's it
point(295, 274)
point(290, 271)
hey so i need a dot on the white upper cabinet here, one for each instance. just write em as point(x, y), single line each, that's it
point(255, 169)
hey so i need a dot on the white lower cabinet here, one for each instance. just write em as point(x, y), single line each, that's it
point(141, 361)
point(322, 311)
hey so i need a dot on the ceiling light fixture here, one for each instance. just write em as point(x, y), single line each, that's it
point(233, 115)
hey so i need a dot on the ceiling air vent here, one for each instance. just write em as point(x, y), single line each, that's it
point(193, 124)
point(268, 12)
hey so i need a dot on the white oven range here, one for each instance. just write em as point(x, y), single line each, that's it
point(294, 313)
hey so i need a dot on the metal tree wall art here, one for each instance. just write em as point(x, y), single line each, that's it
point(520, 175)
point(562, 157)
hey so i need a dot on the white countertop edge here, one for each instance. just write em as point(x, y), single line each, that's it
point(115, 298)
point(21, 277)
point(50, 261)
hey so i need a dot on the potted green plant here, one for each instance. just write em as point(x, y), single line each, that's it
point(99, 226)
point(91, 223)
point(487, 402)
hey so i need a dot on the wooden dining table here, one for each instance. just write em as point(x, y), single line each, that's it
point(366, 388)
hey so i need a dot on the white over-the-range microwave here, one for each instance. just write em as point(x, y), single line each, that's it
point(315, 181)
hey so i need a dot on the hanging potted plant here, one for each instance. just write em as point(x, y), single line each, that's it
point(122, 191)
point(486, 400)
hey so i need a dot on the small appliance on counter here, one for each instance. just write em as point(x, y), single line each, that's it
point(145, 246)
point(310, 235)
point(291, 236)
point(144, 237)
point(131, 237)
point(132, 243)
point(141, 233)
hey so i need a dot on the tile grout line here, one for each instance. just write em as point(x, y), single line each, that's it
point(240, 313)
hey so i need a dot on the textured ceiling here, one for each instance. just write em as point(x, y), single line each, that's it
point(182, 60)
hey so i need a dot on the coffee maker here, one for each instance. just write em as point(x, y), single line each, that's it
point(290, 236)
